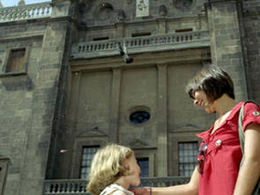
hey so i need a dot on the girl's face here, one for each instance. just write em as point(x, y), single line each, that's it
point(200, 99)
point(134, 170)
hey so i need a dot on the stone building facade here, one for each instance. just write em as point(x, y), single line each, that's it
point(78, 74)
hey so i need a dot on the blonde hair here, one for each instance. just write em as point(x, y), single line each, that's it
point(106, 167)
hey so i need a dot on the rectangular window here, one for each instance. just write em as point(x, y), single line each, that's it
point(144, 166)
point(187, 157)
point(183, 30)
point(142, 34)
point(16, 60)
point(100, 38)
point(88, 153)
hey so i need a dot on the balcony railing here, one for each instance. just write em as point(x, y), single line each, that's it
point(26, 12)
point(94, 49)
point(73, 187)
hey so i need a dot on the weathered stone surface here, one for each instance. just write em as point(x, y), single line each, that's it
point(62, 103)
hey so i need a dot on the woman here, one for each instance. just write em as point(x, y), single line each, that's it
point(218, 171)
point(113, 170)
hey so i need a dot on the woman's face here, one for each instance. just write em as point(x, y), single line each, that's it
point(200, 99)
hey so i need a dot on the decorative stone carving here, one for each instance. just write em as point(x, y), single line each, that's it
point(183, 4)
point(74, 11)
point(137, 143)
point(85, 5)
point(120, 15)
point(21, 3)
point(95, 131)
point(163, 10)
point(142, 8)
point(104, 11)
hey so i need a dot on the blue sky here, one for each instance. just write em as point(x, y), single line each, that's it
point(9, 3)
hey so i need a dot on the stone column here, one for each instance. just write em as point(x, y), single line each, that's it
point(69, 132)
point(46, 86)
point(114, 105)
point(162, 141)
point(226, 44)
point(161, 25)
point(120, 30)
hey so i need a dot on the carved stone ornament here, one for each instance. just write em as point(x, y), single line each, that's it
point(120, 15)
point(163, 10)
point(21, 3)
point(183, 4)
point(105, 11)
point(142, 8)
point(85, 5)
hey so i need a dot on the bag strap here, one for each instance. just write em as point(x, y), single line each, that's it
point(242, 141)
point(241, 131)
point(240, 127)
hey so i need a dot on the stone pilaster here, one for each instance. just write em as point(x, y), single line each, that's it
point(161, 26)
point(43, 107)
point(114, 105)
point(120, 30)
point(162, 140)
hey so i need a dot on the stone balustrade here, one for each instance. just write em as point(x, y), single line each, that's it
point(73, 187)
point(65, 187)
point(26, 12)
point(140, 44)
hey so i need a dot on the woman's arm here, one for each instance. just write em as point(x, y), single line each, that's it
point(250, 170)
point(190, 188)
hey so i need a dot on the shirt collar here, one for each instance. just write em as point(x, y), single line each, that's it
point(206, 134)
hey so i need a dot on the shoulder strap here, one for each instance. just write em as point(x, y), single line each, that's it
point(240, 127)
point(241, 131)
point(242, 141)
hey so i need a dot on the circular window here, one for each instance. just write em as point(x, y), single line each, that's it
point(139, 117)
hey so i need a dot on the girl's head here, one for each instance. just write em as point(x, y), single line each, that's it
point(109, 164)
point(213, 81)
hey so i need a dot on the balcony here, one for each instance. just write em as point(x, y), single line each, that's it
point(73, 187)
point(26, 12)
point(95, 49)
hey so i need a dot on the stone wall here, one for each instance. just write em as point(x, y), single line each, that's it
point(224, 26)
point(64, 103)
point(251, 23)
point(28, 99)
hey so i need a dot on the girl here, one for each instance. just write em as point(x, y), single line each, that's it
point(113, 170)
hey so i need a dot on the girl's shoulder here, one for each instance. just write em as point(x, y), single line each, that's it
point(251, 109)
point(115, 189)
point(119, 192)
point(251, 114)
point(251, 104)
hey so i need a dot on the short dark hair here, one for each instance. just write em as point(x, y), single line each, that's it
point(214, 81)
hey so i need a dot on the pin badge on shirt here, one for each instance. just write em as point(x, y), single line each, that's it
point(256, 113)
point(218, 142)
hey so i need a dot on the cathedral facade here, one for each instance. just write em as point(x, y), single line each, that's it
point(76, 75)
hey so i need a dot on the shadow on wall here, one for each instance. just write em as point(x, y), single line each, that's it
point(14, 83)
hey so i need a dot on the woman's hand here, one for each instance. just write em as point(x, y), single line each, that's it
point(141, 191)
